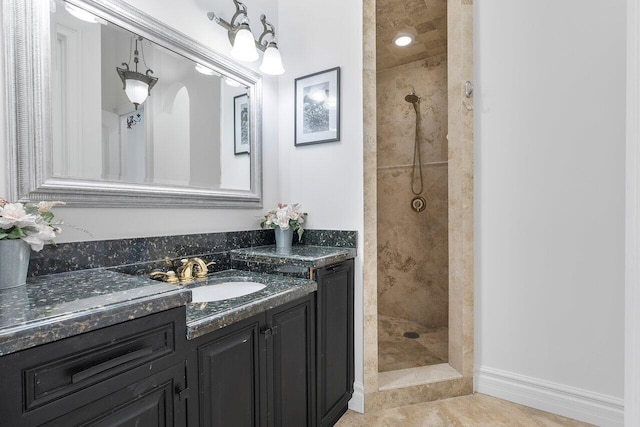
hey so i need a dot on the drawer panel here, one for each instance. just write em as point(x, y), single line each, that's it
point(49, 381)
point(54, 378)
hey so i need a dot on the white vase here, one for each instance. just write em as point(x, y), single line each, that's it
point(14, 262)
point(284, 238)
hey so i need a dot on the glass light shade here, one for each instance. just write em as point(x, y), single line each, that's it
point(136, 91)
point(231, 82)
point(204, 70)
point(272, 61)
point(83, 15)
point(244, 46)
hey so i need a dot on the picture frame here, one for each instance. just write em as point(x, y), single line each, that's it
point(317, 108)
point(241, 136)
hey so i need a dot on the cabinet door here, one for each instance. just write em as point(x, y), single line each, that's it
point(230, 384)
point(290, 338)
point(152, 401)
point(335, 341)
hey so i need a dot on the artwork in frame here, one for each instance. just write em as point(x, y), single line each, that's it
point(241, 124)
point(317, 107)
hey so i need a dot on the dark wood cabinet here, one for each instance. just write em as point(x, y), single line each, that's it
point(291, 352)
point(227, 369)
point(257, 372)
point(132, 373)
point(335, 341)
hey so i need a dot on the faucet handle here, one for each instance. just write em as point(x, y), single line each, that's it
point(169, 277)
point(202, 267)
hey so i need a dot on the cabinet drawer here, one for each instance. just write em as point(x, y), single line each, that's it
point(88, 366)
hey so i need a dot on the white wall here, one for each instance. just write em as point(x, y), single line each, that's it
point(316, 35)
point(550, 139)
point(104, 223)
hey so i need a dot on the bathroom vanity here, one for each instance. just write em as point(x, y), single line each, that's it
point(101, 346)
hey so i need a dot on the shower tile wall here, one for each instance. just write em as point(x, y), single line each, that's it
point(413, 247)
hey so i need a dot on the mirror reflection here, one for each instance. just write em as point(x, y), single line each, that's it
point(125, 109)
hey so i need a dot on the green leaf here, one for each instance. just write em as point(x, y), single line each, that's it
point(16, 233)
point(47, 216)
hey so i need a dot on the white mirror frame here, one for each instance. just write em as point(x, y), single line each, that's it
point(26, 36)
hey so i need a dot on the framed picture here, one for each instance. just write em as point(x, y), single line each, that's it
point(241, 124)
point(317, 107)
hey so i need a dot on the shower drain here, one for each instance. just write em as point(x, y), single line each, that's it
point(411, 335)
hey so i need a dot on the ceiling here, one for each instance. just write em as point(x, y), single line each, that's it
point(425, 19)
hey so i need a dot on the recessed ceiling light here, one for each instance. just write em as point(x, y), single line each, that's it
point(403, 39)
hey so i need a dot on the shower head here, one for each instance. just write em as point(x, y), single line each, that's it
point(412, 98)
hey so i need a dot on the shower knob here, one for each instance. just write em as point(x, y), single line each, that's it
point(418, 204)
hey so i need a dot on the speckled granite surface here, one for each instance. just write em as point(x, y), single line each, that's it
point(206, 317)
point(57, 306)
point(78, 287)
point(336, 238)
point(145, 254)
point(109, 253)
point(299, 255)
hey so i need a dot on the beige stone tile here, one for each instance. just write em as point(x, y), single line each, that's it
point(416, 376)
point(395, 351)
point(473, 410)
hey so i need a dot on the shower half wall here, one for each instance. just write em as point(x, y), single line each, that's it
point(413, 255)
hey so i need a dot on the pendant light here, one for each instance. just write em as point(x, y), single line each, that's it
point(136, 85)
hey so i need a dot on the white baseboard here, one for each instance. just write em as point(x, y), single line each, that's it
point(582, 405)
point(357, 400)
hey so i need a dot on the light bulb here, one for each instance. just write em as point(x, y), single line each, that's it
point(244, 46)
point(272, 61)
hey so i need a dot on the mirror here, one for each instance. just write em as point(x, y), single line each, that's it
point(125, 111)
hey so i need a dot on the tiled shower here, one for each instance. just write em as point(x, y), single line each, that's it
point(413, 255)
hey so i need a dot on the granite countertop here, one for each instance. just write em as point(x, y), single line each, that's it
point(300, 255)
point(205, 317)
point(57, 306)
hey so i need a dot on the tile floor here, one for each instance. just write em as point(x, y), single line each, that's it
point(473, 410)
point(397, 352)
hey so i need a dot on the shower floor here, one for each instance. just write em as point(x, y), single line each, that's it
point(397, 352)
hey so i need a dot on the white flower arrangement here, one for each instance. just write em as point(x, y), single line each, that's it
point(33, 223)
point(285, 216)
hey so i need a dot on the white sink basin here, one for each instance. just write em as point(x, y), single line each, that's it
point(224, 290)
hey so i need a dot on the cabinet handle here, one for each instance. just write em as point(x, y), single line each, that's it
point(336, 268)
point(268, 332)
point(109, 364)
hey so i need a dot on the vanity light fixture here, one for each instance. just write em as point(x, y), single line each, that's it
point(204, 70)
point(403, 39)
point(83, 15)
point(209, 72)
point(136, 85)
point(244, 45)
point(231, 82)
